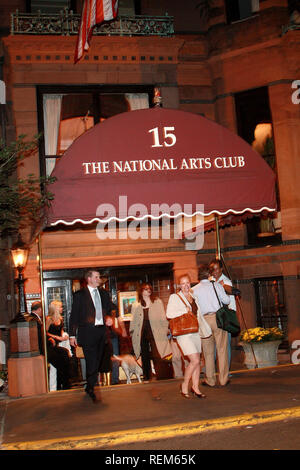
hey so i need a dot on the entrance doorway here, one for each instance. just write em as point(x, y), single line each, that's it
point(60, 284)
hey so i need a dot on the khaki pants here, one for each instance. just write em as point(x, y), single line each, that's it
point(220, 338)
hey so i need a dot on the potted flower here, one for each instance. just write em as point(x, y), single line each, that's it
point(262, 343)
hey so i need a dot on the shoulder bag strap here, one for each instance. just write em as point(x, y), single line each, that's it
point(221, 305)
point(187, 305)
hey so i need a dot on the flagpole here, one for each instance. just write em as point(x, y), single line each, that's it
point(218, 250)
point(43, 309)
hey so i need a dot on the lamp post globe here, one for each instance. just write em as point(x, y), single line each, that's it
point(19, 252)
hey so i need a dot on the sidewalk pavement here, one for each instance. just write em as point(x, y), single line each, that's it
point(143, 412)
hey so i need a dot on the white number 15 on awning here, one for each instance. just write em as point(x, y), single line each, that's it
point(168, 136)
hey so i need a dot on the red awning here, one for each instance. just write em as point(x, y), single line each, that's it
point(155, 161)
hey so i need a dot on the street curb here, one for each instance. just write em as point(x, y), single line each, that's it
point(278, 366)
point(143, 435)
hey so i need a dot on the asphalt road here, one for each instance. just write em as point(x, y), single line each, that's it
point(279, 435)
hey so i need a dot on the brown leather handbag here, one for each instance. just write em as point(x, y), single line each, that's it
point(184, 324)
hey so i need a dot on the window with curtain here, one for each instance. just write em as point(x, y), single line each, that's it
point(126, 7)
point(66, 113)
point(254, 125)
point(46, 6)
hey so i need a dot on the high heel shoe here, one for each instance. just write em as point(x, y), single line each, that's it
point(198, 395)
point(184, 395)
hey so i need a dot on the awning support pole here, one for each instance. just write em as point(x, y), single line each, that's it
point(241, 311)
point(43, 309)
point(218, 249)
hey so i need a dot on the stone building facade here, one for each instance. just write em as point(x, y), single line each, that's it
point(237, 67)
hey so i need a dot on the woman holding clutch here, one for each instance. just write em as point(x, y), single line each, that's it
point(190, 344)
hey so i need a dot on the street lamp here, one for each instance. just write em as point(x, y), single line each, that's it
point(19, 253)
point(25, 366)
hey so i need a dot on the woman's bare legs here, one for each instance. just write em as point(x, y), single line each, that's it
point(192, 371)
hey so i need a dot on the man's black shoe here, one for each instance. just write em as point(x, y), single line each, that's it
point(93, 396)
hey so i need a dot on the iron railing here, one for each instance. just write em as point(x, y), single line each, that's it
point(271, 306)
point(66, 23)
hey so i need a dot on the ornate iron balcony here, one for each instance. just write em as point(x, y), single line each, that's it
point(67, 23)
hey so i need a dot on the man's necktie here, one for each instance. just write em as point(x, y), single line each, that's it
point(98, 306)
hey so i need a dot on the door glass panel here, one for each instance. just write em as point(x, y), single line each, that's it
point(59, 290)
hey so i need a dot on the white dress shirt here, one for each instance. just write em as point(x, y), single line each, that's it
point(206, 296)
point(227, 281)
point(98, 321)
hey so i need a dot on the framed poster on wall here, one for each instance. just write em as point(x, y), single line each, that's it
point(125, 301)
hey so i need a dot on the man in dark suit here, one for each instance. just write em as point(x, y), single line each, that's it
point(37, 315)
point(90, 315)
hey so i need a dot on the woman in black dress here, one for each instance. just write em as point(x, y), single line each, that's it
point(58, 356)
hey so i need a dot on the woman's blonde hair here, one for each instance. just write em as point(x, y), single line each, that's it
point(53, 311)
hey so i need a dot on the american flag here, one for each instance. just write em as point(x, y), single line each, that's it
point(93, 12)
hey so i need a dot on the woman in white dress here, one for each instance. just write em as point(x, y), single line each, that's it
point(189, 344)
